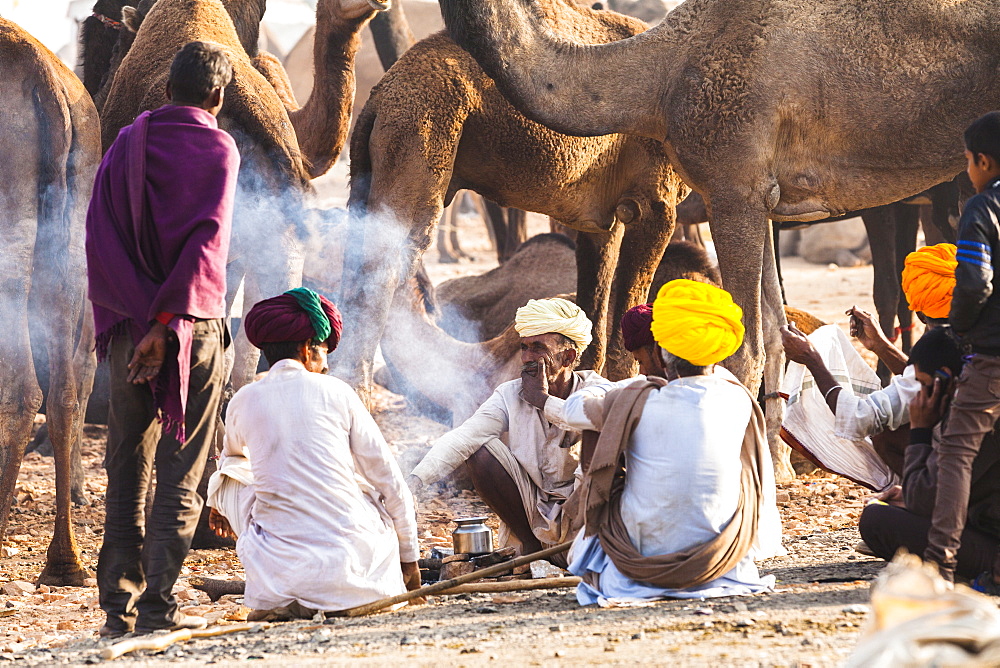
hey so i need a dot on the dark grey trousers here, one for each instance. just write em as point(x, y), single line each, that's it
point(136, 569)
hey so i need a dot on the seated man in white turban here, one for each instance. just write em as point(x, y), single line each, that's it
point(678, 499)
point(521, 456)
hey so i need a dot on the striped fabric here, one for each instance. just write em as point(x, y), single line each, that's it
point(975, 253)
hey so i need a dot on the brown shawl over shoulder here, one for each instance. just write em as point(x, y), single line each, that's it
point(600, 500)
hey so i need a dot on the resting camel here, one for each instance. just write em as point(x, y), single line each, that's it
point(433, 353)
point(783, 110)
point(282, 146)
point(50, 148)
point(435, 124)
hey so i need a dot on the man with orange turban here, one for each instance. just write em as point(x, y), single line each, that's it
point(697, 505)
point(306, 480)
point(929, 280)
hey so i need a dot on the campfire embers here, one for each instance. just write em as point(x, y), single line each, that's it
point(444, 567)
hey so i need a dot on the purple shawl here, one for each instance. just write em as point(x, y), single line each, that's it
point(158, 231)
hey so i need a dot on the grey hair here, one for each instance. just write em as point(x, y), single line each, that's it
point(679, 366)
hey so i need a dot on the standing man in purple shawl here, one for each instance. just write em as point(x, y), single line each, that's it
point(158, 233)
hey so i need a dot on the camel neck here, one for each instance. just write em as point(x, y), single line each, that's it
point(322, 123)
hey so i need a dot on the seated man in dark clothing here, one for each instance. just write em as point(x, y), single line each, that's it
point(906, 520)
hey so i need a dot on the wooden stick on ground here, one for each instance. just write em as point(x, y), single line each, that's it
point(511, 585)
point(164, 641)
point(439, 587)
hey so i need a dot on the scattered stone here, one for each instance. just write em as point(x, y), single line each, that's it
point(485, 610)
point(702, 611)
point(558, 628)
point(17, 588)
point(8, 551)
point(455, 568)
point(740, 606)
point(497, 557)
point(743, 623)
point(856, 609)
point(641, 635)
point(559, 653)
point(543, 569)
point(470, 650)
point(407, 640)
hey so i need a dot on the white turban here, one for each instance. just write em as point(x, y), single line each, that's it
point(554, 316)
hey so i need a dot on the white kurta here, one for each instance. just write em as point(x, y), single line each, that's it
point(842, 443)
point(533, 445)
point(682, 486)
point(331, 517)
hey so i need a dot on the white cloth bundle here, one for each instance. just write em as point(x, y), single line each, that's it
point(809, 423)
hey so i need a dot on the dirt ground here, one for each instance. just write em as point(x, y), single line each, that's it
point(813, 618)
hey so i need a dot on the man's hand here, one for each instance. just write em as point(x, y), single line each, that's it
point(798, 347)
point(865, 329)
point(892, 496)
point(929, 406)
point(535, 384)
point(149, 355)
point(218, 523)
point(411, 578)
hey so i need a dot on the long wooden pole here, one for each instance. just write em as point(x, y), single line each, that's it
point(164, 641)
point(511, 585)
point(449, 584)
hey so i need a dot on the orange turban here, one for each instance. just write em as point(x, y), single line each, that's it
point(697, 322)
point(929, 279)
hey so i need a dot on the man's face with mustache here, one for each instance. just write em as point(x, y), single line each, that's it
point(548, 347)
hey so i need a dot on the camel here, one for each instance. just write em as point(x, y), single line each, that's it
point(468, 137)
point(50, 148)
point(280, 150)
point(784, 110)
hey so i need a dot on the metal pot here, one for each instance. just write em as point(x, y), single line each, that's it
point(472, 536)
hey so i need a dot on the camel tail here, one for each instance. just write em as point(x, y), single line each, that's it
point(361, 160)
point(55, 169)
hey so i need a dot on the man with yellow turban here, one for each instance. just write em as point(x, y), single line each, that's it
point(697, 505)
point(517, 446)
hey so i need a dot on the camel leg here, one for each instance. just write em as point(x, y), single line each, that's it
point(880, 223)
point(447, 252)
point(386, 236)
point(517, 231)
point(642, 249)
point(907, 224)
point(774, 360)
point(20, 394)
point(596, 258)
point(85, 368)
point(740, 234)
point(64, 419)
point(273, 254)
point(496, 224)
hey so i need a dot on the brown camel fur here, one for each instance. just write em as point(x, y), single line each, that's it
point(771, 110)
point(50, 147)
point(435, 124)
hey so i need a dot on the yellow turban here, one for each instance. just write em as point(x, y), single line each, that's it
point(929, 279)
point(697, 322)
point(554, 316)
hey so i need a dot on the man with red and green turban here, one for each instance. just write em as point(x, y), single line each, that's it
point(306, 480)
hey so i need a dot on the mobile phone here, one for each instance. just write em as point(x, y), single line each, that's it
point(943, 376)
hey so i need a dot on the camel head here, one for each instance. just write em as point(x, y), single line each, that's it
point(99, 34)
point(354, 10)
